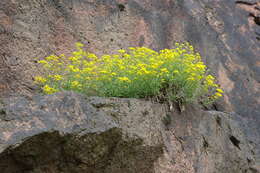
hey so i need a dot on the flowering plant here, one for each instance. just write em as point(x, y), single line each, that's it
point(171, 74)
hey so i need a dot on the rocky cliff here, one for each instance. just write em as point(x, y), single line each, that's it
point(225, 32)
point(67, 132)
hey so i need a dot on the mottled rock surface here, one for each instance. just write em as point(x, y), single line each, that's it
point(225, 32)
point(68, 133)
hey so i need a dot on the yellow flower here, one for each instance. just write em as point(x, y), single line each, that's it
point(57, 77)
point(164, 70)
point(48, 90)
point(121, 67)
point(113, 73)
point(73, 59)
point(106, 57)
point(103, 71)
point(77, 76)
point(42, 62)
point(124, 79)
point(154, 66)
point(87, 70)
point(180, 67)
point(193, 74)
point(210, 77)
point(122, 51)
point(78, 44)
point(40, 79)
point(191, 78)
point(78, 54)
point(76, 70)
point(52, 58)
point(76, 84)
point(218, 94)
point(131, 48)
point(210, 80)
point(175, 71)
point(219, 90)
point(92, 56)
point(116, 56)
point(126, 55)
point(73, 68)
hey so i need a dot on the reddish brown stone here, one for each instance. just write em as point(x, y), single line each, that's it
point(226, 33)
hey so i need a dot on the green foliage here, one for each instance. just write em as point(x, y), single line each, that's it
point(171, 74)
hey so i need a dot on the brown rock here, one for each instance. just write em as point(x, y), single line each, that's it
point(67, 132)
point(226, 33)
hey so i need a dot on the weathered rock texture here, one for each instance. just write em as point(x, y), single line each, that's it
point(69, 133)
point(225, 32)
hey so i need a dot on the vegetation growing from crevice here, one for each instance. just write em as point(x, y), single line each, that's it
point(176, 74)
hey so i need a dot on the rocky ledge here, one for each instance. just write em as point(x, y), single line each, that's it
point(67, 132)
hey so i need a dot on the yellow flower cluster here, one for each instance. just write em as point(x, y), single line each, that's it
point(40, 79)
point(218, 93)
point(124, 79)
point(177, 74)
point(76, 84)
point(49, 90)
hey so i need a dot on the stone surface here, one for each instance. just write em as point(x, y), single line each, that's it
point(67, 132)
point(206, 142)
point(225, 32)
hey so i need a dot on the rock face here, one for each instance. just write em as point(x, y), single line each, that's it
point(67, 132)
point(226, 33)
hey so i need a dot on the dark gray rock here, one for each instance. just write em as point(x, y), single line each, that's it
point(67, 132)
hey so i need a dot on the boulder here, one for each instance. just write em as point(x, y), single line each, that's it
point(67, 132)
